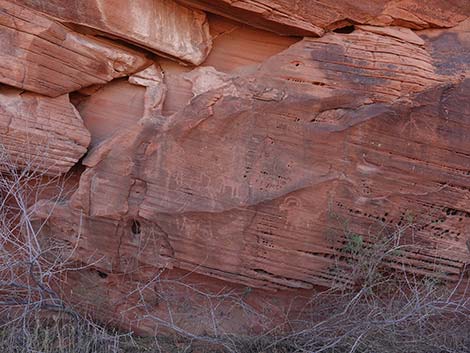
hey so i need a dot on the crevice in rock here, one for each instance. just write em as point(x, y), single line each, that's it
point(345, 30)
point(102, 274)
point(135, 227)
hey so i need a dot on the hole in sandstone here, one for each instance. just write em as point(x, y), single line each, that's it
point(102, 274)
point(135, 227)
point(345, 30)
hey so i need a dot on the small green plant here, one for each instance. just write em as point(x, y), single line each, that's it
point(354, 244)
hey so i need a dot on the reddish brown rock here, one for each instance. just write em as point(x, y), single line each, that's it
point(237, 47)
point(121, 103)
point(45, 57)
point(245, 178)
point(450, 49)
point(163, 26)
point(118, 104)
point(253, 181)
point(304, 18)
point(179, 91)
point(225, 56)
point(44, 134)
point(392, 169)
point(152, 79)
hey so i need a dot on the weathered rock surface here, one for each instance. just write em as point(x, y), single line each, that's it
point(179, 91)
point(238, 47)
point(121, 103)
point(239, 174)
point(241, 184)
point(45, 134)
point(116, 105)
point(162, 26)
point(152, 78)
point(305, 18)
point(45, 57)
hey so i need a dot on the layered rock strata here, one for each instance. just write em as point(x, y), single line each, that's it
point(223, 190)
point(306, 18)
point(46, 57)
point(42, 134)
point(251, 174)
point(162, 26)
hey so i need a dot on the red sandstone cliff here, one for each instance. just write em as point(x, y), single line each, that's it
point(227, 143)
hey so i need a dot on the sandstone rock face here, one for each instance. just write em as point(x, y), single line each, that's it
point(162, 26)
point(119, 104)
point(45, 134)
point(230, 37)
point(45, 57)
point(305, 18)
point(252, 171)
point(241, 183)
point(152, 79)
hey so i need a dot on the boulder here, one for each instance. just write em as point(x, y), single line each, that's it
point(45, 57)
point(164, 26)
point(42, 134)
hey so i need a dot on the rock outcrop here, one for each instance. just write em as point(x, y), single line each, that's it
point(162, 26)
point(42, 134)
point(304, 18)
point(230, 36)
point(45, 57)
point(252, 171)
point(106, 109)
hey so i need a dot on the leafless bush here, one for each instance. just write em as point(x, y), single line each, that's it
point(30, 269)
point(25, 274)
point(385, 307)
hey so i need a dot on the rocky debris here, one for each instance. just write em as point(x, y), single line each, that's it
point(303, 18)
point(42, 134)
point(45, 57)
point(162, 26)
